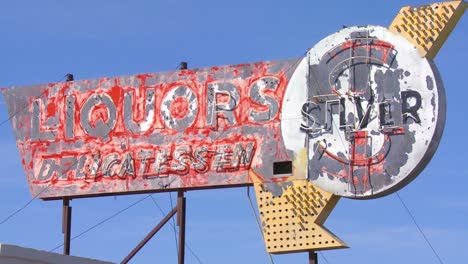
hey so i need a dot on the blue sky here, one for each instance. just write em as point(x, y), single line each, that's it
point(41, 41)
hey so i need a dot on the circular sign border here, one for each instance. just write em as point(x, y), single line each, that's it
point(295, 140)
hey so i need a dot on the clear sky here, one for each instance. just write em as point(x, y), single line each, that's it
point(41, 41)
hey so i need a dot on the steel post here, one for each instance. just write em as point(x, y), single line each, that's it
point(313, 257)
point(181, 223)
point(66, 225)
point(66, 208)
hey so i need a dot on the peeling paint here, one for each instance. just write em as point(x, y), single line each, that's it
point(185, 129)
point(360, 116)
point(364, 112)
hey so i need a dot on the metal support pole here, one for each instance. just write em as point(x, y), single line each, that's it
point(66, 225)
point(69, 77)
point(183, 65)
point(181, 223)
point(313, 257)
point(66, 208)
point(149, 236)
point(181, 207)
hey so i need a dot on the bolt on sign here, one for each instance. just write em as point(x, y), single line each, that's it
point(359, 116)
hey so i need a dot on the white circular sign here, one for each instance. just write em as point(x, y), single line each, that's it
point(368, 108)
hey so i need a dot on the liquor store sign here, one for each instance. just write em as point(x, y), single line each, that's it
point(361, 109)
point(182, 129)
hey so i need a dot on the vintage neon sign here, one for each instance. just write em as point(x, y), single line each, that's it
point(184, 129)
point(373, 115)
point(363, 110)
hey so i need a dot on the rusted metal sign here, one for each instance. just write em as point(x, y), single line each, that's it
point(374, 112)
point(183, 129)
point(359, 116)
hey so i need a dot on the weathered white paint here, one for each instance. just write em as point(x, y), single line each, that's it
point(427, 133)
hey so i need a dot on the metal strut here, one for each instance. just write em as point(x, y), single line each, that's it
point(66, 208)
point(180, 210)
point(66, 225)
point(181, 207)
point(149, 236)
point(313, 257)
point(181, 224)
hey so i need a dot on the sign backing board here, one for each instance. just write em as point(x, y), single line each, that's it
point(183, 129)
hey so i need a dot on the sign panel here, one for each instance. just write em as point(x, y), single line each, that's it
point(359, 116)
point(182, 129)
point(373, 112)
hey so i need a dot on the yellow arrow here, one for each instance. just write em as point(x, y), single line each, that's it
point(428, 26)
point(292, 214)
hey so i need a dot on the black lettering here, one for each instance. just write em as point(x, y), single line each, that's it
point(342, 113)
point(410, 104)
point(363, 118)
point(385, 114)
